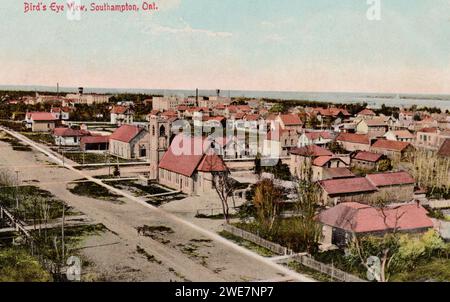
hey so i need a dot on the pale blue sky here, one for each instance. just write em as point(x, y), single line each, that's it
point(301, 45)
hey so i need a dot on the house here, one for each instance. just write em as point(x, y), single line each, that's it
point(68, 137)
point(61, 113)
point(40, 121)
point(400, 136)
point(375, 127)
point(121, 115)
point(301, 159)
point(289, 122)
point(341, 222)
point(94, 143)
point(444, 150)
point(393, 186)
point(130, 142)
point(316, 163)
point(366, 114)
point(189, 167)
point(366, 160)
point(319, 138)
point(354, 142)
point(392, 149)
point(356, 189)
point(431, 138)
point(279, 142)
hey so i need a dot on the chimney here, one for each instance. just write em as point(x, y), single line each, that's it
point(196, 97)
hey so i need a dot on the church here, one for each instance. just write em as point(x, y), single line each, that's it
point(182, 162)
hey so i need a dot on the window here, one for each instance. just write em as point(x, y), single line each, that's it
point(162, 131)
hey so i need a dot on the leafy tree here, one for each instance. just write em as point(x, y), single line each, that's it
point(384, 165)
point(279, 108)
point(258, 167)
point(267, 203)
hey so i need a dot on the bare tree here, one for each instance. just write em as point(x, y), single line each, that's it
point(267, 202)
point(222, 183)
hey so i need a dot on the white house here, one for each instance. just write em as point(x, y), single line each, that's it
point(68, 136)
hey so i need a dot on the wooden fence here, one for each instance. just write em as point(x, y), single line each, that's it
point(306, 260)
point(273, 247)
point(334, 273)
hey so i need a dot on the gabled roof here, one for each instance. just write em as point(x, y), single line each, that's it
point(361, 218)
point(252, 117)
point(69, 132)
point(126, 133)
point(96, 139)
point(367, 112)
point(391, 145)
point(119, 109)
point(41, 116)
point(429, 130)
point(367, 156)
point(322, 160)
point(376, 122)
point(291, 119)
point(390, 179)
point(354, 138)
point(445, 148)
point(186, 155)
point(347, 185)
point(339, 173)
point(312, 151)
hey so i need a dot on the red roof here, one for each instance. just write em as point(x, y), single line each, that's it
point(212, 163)
point(126, 133)
point(186, 159)
point(119, 109)
point(347, 185)
point(429, 130)
point(41, 116)
point(354, 138)
point(70, 132)
point(367, 112)
point(367, 156)
point(331, 112)
point(96, 139)
point(291, 119)
point(445, 148)
point(390, 179)
point(252, 117)
point(361, 218)
point(339, 173)
point(390, 145)
point(311, 150)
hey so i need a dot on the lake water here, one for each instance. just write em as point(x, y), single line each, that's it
point(374, 100)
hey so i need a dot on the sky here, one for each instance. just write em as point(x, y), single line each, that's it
point(282, 45)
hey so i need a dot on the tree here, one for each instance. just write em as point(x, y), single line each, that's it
point(222, 183)
point(336, 148)
point(417, 117)
point(258, 168)
point(267, 203)
point(116, 172)
point(278, 108)
point(384, 165)
point(308, 229)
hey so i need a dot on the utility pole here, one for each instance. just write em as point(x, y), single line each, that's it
point(17, 190)
point(62, 232)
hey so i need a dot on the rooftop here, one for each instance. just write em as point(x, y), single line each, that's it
point(361, 218)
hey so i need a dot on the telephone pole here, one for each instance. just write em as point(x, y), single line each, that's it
point(17, 189)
